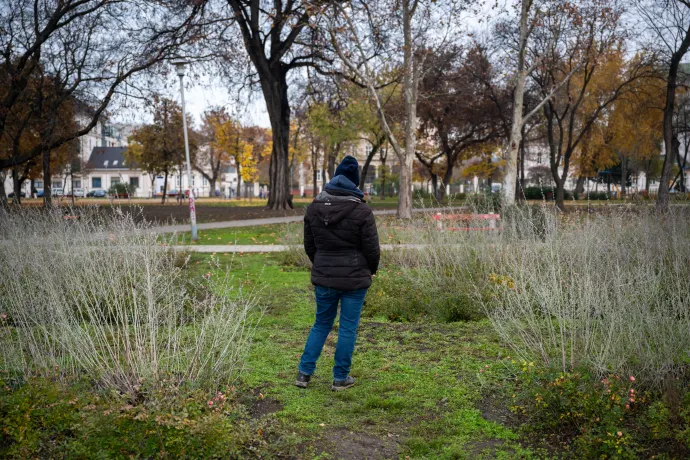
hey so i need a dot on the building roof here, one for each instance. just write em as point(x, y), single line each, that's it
point(111, 158)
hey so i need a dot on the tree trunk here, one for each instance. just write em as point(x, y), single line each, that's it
point(447, 176)
point(521, 184)
point(16, 185)
point(682, 161)
point(3, 195)
point(434, 186)
point(560, 194)
point(410, 91)
point(315, 189)
point(332, 155)
point(580, 187)
point(365, 169)
point(624, 176)
point(165, 187)
point(47, 182)
point(71, 184)
point(278, 107)
point(510, 168)
point(212, 188)
point(663, 197)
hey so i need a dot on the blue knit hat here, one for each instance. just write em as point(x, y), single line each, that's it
point(349, 168)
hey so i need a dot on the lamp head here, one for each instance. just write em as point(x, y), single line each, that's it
point(180, 66)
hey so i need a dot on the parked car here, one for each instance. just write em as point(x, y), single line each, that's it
point(21, 195)
point(39, 193)
point(77, 193)
point(96, 194)
point(58, 192)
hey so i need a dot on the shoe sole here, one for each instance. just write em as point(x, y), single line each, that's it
point(301, 384)
point(341, 388)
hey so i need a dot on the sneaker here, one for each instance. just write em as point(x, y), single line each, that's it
point(302, 380)
point(339, 385)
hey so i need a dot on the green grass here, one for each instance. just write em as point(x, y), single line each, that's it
point(258, 234)
point(391, 230)
point(418, 387)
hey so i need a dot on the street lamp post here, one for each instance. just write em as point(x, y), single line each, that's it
point(180, 67)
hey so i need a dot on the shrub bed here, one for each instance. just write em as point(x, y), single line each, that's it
point(103, 299)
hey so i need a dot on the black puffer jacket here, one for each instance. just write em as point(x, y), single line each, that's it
point(342, 242)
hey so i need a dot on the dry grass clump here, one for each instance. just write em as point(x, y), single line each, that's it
point(603, 292)
point(103, 298)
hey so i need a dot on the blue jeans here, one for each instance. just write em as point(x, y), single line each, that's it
point(326, 309)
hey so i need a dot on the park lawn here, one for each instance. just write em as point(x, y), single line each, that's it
point(258, 234)
point(418, 392)
point(391, 231)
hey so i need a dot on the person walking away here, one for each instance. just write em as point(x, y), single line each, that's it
point(342, 242)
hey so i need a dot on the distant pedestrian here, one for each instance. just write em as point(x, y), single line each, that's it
point(342, 242)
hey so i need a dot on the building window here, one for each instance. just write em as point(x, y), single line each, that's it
point(193, 177)
point(114, 180)
point(57, 184)
point(204, 182)
point(38, 184)
point(77, 183)
point(318, 175)
point(96, 182)
point(134, 182)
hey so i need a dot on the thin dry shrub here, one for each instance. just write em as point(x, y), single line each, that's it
point(605, 291)
point(105, 298)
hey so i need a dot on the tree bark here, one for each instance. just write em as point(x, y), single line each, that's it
point(16, 185)
point(410, 91)
point(315, 188)
point(510, 169)
point(47, 182)
point(332, 156)
point(3, 195)
point(624, 176)
point(275, 89)
point(374, 150)
point(521, 184)
point(212, 188)
point(165, 187)
point(580, 187)
point(663, 198)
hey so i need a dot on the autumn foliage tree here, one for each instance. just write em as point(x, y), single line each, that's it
point(59, 52)
point(600, 75)
point(460, 109)
point(215, 156)
point(158, 148)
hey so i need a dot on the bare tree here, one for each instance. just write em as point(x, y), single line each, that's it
point(531, 14)
point(89, 50)
point(274, 37)
point(668, 22)
point(372, 39)
point(462, 109)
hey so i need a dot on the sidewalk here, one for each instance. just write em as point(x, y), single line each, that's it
point(275, 220)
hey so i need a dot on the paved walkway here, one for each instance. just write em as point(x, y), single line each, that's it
point(273, 220)
point(259, 248)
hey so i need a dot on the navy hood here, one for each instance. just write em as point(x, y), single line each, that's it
point(342, 185)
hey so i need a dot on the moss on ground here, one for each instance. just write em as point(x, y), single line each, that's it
point(417, 392)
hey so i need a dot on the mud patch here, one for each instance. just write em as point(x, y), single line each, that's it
point(343, 444)
point(262, 407)
point(486, 448)
point(493, 411)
